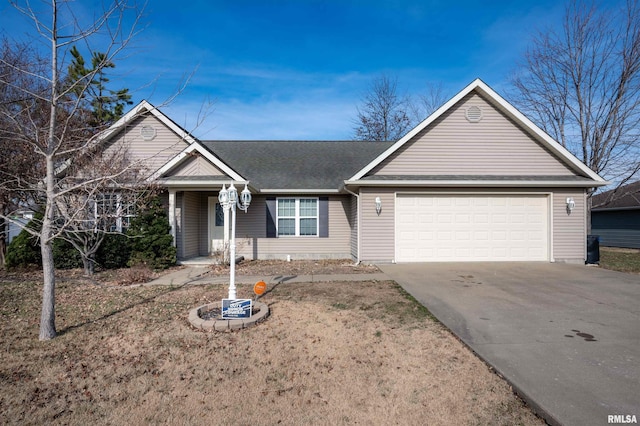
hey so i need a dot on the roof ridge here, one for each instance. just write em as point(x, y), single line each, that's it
point(294, 140)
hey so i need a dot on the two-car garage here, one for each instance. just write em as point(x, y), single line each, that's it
point(472, 227)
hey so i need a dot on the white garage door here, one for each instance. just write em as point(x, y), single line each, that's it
point(452, 228)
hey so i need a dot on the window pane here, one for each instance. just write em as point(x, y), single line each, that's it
point(286, 227)
point(308, 226)
point(287, 207)
point(219, 215)
point(308, 207)
point(107, 205)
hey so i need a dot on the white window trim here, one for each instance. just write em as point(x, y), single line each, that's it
point(297, 217)
point(119, 215)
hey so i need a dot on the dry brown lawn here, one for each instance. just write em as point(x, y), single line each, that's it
point(330, 353)
point(297, 267)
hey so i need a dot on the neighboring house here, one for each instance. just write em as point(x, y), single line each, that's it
point(475, 181)
point(615, 216)
point(22, 217)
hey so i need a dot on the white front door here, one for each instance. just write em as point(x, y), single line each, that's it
point(216, 225)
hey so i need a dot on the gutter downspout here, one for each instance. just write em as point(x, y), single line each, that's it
point(358, 224)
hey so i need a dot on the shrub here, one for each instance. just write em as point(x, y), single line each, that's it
point(114, 252)
point(148, 242)
point(150, 238)
point(65, 256)
point(24, 250)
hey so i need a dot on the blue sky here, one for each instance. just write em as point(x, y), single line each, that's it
point(298, 69)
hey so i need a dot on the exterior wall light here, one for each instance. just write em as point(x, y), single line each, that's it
point(378, 205)
point(571, 204)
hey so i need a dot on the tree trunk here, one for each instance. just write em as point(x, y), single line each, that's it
point(89, 266)
point(48, 315)
point(4, 231)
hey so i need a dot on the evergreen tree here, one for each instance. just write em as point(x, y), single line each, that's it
point(106, 106)
point(150, 237)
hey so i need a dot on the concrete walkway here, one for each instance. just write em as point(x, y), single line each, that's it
point(567, 337)
point(200, 275)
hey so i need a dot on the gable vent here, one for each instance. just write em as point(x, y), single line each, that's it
point(147, 133)
point(473, 114)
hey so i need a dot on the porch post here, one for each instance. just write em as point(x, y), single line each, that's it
point(172, 214)
point(226, 245)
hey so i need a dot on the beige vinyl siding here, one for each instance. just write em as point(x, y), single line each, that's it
point(251, 231)
point(454, 146)
point(353, 223)
point(203, 224)
point(191, 224)
point(196, 166)
point(377, 233)
point(179, 225)
point(154, 153)
point(569, 230)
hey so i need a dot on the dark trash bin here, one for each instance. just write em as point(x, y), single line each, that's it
point(593, 249)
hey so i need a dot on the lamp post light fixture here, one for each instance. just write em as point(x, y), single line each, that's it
point(228, 199)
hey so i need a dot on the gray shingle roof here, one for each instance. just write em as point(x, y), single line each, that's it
point(627, 196)
point(195, 178)
point(296, 164)
point(497, 178)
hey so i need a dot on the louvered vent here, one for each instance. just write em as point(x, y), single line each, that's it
point(147, 133)
point(474, 114)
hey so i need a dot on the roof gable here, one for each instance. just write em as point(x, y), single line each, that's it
point(195, 165)
point(169, 149)
point(479, 92)
point(147, 141)
point(139, 110)
point(188, 153)
point(455, 145)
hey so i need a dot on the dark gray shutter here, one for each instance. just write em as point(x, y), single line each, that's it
point(323, 216)
point(271, 217)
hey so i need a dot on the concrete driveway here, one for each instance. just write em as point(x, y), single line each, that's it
point(567, 337)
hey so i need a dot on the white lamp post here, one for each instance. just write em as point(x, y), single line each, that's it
point(228, 199)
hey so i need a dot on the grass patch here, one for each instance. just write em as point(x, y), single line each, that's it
point(127, 355)
point(623, 260)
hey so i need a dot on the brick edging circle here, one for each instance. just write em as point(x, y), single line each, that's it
point(197, 322)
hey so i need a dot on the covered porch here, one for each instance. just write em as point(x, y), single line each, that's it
point(199, 225)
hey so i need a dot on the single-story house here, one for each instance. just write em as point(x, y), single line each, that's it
point(615, 216)
point(475, 181)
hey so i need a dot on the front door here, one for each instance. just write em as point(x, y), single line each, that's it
point(216, 225)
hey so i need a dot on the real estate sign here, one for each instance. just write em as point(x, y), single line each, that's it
point(236, 308)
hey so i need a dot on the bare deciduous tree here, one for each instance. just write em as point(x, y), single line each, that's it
point(16, 160)
point(427, 103)
point(581, 84)
point(384, 114)
point(54, 126)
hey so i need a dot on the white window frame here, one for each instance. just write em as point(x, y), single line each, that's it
point(297, 217)
point(124, 212)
